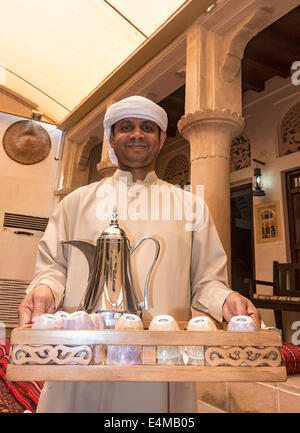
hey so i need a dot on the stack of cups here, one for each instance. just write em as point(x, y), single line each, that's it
point(166, 355)
point(83, 320)
point(46, 321)
point(78, 320)
point(196, 353)
point(126, 355)
point(110, 318)
point(62, 315)
point(242, 324)
point(99, 349)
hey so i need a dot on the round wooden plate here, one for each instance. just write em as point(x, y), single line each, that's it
point(26, 142)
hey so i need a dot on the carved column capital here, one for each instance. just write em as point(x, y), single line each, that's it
point(210, 131)
point(85, 151)
point(235, 41)
point(62, 192)
point(106, 168)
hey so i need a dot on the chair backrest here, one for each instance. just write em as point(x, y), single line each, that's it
point(286, 277)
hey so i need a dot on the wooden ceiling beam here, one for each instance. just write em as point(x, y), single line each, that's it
point(270, 44)
point(265, 68)
point(250, 83)
point(174, 110)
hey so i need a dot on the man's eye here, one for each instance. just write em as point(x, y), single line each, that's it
point(125, 128)
point(148, 128)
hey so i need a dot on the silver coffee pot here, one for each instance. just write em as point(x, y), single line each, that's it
point(110, 285)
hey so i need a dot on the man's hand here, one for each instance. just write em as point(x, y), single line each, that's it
point(39, 301)
point(236, 305)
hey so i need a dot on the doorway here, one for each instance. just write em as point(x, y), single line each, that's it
point(292, 179)
point(242, 240)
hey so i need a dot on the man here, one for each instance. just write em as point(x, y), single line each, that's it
point(191, 268)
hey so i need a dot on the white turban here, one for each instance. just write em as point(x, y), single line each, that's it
point(134, 106)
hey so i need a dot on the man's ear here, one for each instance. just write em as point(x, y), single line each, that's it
point(112, 141)
point(162, 139)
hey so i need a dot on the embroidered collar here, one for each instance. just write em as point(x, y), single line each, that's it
point(127, 177)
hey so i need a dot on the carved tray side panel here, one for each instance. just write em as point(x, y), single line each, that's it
point(48, 354)
point(236, 356)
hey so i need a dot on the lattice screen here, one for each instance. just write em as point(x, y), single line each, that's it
point(240, 153)
point(178, 171)
point(290, 131)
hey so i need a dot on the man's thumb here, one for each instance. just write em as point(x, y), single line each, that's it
point(24, 317)
point(38, 310)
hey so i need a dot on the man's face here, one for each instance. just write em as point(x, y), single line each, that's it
point(137, 143)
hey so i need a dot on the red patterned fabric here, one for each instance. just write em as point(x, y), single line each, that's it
point(8, 402)
point(26, 393)
point(291, 355)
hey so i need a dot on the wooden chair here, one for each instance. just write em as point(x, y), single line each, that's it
point(286, 291)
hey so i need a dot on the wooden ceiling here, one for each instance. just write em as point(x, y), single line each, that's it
point(271, 53)
point(174, 106)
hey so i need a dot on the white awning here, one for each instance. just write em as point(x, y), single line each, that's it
point(56, 52)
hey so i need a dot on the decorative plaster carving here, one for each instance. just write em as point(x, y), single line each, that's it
point(177, 171)
point(209, 131)
point(240, 153)
point(290, 131)
point(88, 146)
point(236, 41)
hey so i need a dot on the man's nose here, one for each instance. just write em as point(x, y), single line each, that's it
point(137, 133)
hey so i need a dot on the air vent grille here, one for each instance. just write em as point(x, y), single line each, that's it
point(12, 293)
point(25, 222)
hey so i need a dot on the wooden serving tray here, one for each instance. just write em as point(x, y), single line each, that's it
point(69, 355)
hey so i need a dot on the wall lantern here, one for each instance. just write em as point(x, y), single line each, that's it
point(257, 182)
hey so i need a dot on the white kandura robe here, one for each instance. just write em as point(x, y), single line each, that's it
point(191, 269)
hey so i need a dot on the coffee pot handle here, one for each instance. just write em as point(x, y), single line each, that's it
point(145, 304)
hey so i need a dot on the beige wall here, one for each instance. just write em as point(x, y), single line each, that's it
point(264, 112)
point(28, 190)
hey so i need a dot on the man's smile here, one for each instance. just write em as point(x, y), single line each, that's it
point(137, 146)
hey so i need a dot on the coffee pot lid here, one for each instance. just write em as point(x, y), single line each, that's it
point(113, 230)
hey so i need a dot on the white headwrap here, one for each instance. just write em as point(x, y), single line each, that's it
point(134, 106)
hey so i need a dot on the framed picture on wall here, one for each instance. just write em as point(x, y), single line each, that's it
point(267, 218)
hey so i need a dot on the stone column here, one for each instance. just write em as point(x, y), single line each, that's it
point(212, 120)
point(210, 133)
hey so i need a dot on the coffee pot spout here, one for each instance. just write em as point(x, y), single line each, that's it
point(87, 248)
